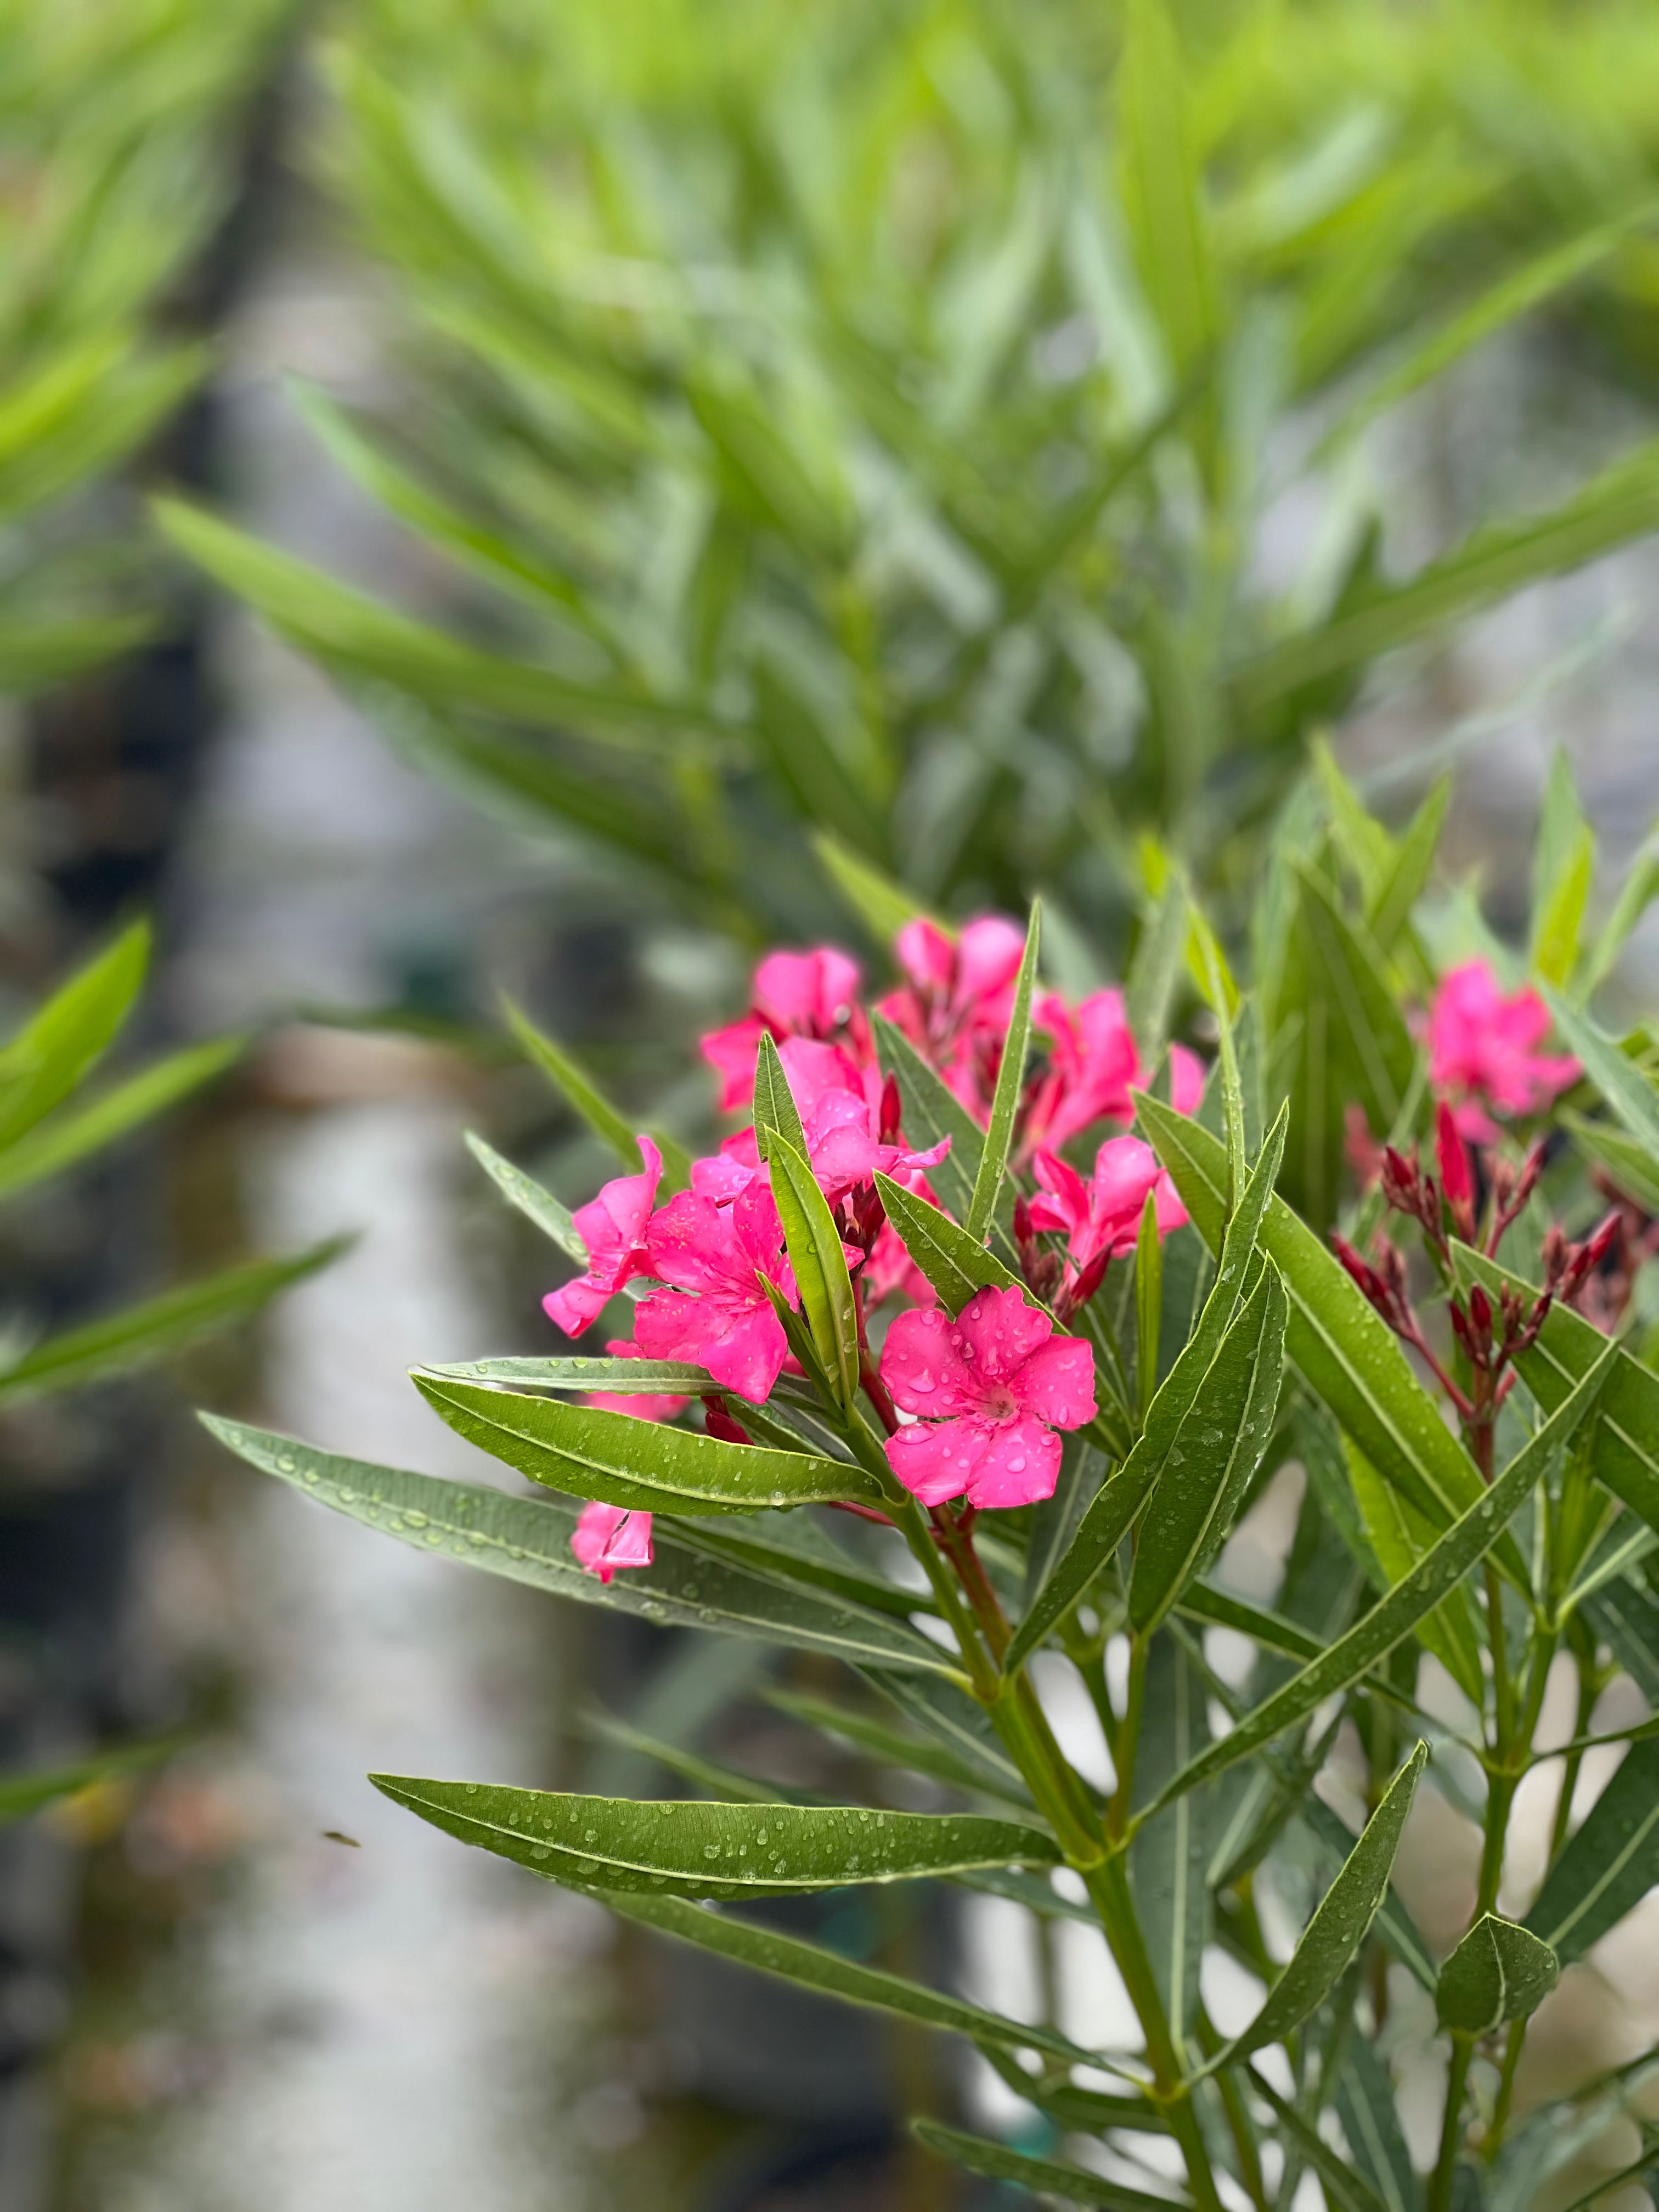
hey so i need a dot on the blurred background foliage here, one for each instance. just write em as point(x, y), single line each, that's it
point(984, 432)
point(117, 162)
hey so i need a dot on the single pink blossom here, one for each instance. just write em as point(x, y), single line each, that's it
point(1093, 1065)
point(990, 1388)
point(605, 1537)
point(643, 1404)
point(794, 994)
point(716, 1261)
point(1483, 1050)
point(1187, 1079)
point(1102, 1216)
point(613, 1228)
point(957, 1005)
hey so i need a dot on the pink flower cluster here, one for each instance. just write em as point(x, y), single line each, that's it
point(1483, 1051)
point(716, 1256)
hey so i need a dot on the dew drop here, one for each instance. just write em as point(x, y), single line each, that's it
point(411, 1519)
point(286, 1467)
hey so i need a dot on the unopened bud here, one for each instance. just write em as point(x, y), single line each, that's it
point(1555, 1255)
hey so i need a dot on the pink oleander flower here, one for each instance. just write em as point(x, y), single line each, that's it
point(990, 1388)
point(960, 995)
point(606, 1538)
point(795, 994)
point(715, 1259)
point(613, 1228)
point(1093, 1065)
point(642, 1405)
point(1102, 1218)
point(849, 1118)
point(1482, 1051)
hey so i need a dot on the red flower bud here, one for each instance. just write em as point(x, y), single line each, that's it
point(1457, 1175)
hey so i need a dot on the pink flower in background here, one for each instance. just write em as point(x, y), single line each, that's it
point(849, 1118)
point(643, 1404)
point(613, 1228)
point(606, 1538)
point(1483, 1050)
point(1102, 1216)
point(889, 1271)
point(795, 994)
point(716, 1312)
point(1093, 1065)
point(960, 995)
point(989, 1389)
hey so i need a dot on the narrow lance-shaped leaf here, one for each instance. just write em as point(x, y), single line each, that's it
point(527, 1540)
point(580, 1372)
point(64, 1038)
point(809, 1229)
point(1043, 2177)
point(1610, 1864)
point(80, 1131)
point(1155, 969)
point(586, 1099)
point(1217, 1449)
point(890, 1746)
point(537, 1204)
point(882, 905)
point(1498, 1972)
point(678, 1848)
point(1632, 1166)
point(25, 1793)
point(638, 1465)
point(1408, 873)
point(1394, 1616)
point(1122, 1498)
point(1349, 2190)
point(1005, 1102)
point(1168, 1861)
point(1340, 1926)
point(1620, 1082)
point(138, 1334)
point(767, 1951)
point(1149, 1303)
point(953, 1262)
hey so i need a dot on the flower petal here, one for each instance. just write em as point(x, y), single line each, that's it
point(1000, 1331)
point(1020, 1464)
point(922, 1365)
point(1057, 1383)
point(935, 1460)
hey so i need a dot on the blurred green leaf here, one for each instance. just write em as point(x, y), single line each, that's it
point(48, 1150)
point(1498, 1972)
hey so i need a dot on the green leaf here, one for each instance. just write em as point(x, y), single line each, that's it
point(929, 1112)
point(770, 1951)
point(1496, 560)
point(1610, 1864)
point(1398, 1538)
point(1346, 2190)
point(1217, 1450)
point(1394, 1616)
point(1632, 1166)
point(1563, 865)
point(1498, 1972)
point(794, 1547)
point(1043, 2177)
point(1625, 1457)
point(132, 1338)
point(678, 1848)
point(1163, 187)
point(955, 1263)
point(1333, 1938)
point(1636, 894)
point(585, 1098)
point(527, 1540)
point(882, 905)
point(1627, 1092)
point(48, 1149)
point(1159, 956)
point(641, 1466)
point(1168, 1860)
point(62, 1041)
point(809, 1229)
point(1221, 1609)
point(535, 1204)
point(1149, 1304)
point(21, 1795)
point(1005, 1104)
point(358, 637)
point(1345, 1353)
point(34, 655)
point(1408, 873)
point(1124, 1495)
point(1629, 1620)
point(941, 1707)
point(819, 783)
point(774, 1102)
point(1394, 1925)
point(581, 1372)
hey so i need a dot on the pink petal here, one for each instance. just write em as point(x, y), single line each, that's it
point(1057, 1383)
point(720, 1179)
point(812, 1069)
point(923, 1367)
point(1457, 1175)
point(1187, 1079)
point(606, 1537)
point(1065, 1205)
point(689, 1245)
point(811, 993)
point(730, 1052)
point(745, 1353)
point(935, 1460)
point(1020, 1464)
point(988, 954)
point(999, 1333)
point(576, 1306)
point(926, 954)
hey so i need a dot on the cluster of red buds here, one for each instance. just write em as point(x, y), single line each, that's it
point(1492, 1336)
point(1062, 1286)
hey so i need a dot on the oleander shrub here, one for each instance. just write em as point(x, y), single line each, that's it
point(958, 1362)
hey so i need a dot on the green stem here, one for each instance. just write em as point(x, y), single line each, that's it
point(1129, 1738)
point(1451, 2127)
